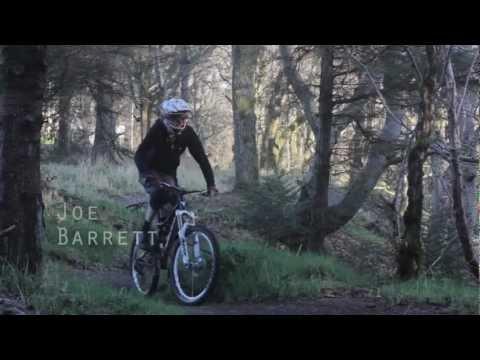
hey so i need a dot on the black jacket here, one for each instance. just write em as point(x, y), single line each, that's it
point(161, 152)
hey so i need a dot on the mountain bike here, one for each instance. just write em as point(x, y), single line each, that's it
point(188, 251)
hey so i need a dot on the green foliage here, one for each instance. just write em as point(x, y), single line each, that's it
point(62, 292)
point(252, 271)
point(443, 247)
point(458, 294)
point(364, 235)
point(15, 282)
point(270, 210)
point(365, 250)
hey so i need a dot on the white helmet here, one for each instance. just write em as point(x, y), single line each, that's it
point(176, 114)
point(173, 106)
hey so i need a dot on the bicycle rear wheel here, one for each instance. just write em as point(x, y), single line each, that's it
point(144, 268)
point(193, 282)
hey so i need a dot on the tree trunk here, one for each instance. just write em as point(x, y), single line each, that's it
point(147, 113)
point(356, 152)
point(63, 135)
point(185, 70)
point(400, 203)
point(196, 102)
point(131, 128)
point(142, 123)
point(410, 251)
point(463, 232)
point(272, 120)
point(104, 145)
point(269, 154)
point(158, 72)
point(301, 89)
point(469, 144)
point(244, 61)
point(22, 84)
point(64, 105)
point(440, 203)
point(322, 153)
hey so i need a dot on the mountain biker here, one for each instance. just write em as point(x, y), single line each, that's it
point(158, 158)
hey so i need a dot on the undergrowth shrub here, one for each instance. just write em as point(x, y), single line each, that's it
point(270, 210)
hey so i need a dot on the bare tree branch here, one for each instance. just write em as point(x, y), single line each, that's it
point(415, 64)
point(387, 108)
point(460, 105)
point(302, 91)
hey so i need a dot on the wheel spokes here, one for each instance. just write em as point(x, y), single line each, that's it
point(143, 270)
point(194, 278)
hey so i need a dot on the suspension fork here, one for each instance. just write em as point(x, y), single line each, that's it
point(183, 227)
point(183, 244)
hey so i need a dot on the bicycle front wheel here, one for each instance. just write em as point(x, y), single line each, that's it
point(192, 281)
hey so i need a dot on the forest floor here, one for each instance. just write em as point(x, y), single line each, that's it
point(353, 301)
point(338, 300)
point(256, 278)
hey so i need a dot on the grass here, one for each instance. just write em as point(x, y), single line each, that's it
point(92, 183)
point(83, 242)
point(255, 271)
point(98, 238)
point(60, 291)
point(358, 232)
point(457, 294)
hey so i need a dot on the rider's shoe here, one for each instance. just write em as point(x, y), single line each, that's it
point(146, 237)
point(164, 261)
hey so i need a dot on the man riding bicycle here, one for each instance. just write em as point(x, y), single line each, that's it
point(158, 158)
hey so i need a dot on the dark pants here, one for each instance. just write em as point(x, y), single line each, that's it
point(161, 199)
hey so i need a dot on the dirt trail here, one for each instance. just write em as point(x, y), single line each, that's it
point(322, 306)
point(347, 304)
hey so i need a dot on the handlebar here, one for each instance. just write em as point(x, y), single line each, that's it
point(183, 191)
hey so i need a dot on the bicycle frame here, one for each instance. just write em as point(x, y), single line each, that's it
point(182, 220)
